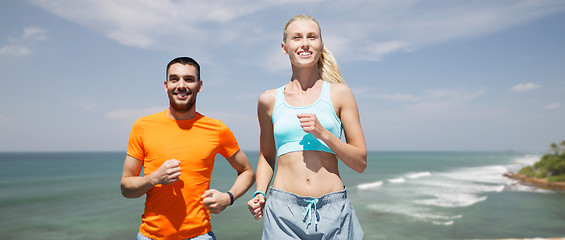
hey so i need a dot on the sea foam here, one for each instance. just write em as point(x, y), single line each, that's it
point(453, 201)
point(365, 186)
point(418, 175)
point(417, 213)
point(485, 174)
point(435, 197)
point(397, 180)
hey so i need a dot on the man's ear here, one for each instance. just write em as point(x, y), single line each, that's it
point(165, 84)
point(200, 85)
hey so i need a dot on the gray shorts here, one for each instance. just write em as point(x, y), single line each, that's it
point(288, 216)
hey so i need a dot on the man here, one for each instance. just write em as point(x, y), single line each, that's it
point(176, 149)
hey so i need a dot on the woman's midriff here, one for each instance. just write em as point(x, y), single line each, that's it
point(308, 173)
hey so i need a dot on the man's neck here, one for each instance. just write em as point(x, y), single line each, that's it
point(181, 115)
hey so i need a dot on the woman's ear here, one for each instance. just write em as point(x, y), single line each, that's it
point(283, 48)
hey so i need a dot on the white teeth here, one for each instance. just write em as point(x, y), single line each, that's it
point(305, 53)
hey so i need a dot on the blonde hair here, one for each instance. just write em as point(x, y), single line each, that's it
point(327, 65)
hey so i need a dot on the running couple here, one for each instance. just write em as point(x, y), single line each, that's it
point(301, 125)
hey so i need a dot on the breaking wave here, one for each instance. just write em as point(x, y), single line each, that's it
point(427, 196)
point(365, 186)
point(418, 175)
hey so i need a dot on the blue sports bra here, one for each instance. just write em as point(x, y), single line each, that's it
point(289, 136)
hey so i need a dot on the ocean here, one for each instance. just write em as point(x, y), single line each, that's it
point(401, 195)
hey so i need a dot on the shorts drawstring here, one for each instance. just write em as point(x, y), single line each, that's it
point(310, 212)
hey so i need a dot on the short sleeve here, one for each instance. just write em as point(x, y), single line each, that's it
point(228, 144)
point(135, 142)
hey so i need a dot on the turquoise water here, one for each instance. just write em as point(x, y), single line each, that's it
point(401, 195)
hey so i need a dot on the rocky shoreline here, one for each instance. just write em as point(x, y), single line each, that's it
point(538, 182)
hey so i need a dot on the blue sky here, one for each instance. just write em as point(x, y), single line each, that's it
point(427, 75)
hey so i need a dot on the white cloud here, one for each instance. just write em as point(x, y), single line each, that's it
point(355, 30)
point(34, 33)
point(15, 49)
point(397, 97)
point(435, 116)
point(155, 24)
point(552, 106)
point(338, 44)
point(233, 117)
point(22, 45)
point(444, 103)
point(131, 38)
point(426, 107)
point(276, 63)
point(454, 95)
point(522, 87)
point(377, 51)
point(393, 26)
point(85, 104)
point(128, 116)
point(435, 96)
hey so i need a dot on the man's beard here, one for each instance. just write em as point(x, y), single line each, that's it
point(183, 107)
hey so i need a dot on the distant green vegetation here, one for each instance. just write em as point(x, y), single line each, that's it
point(551, 166)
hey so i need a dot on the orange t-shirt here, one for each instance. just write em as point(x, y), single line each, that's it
point(176, 211)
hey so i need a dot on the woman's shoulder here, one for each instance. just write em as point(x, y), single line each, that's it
point(340, 89)
point(268, 97)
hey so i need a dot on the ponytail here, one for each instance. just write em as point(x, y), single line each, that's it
point(328, 68)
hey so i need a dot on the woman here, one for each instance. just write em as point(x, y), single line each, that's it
point(301, 125)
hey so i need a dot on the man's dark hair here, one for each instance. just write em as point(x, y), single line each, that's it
point(184, 61)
